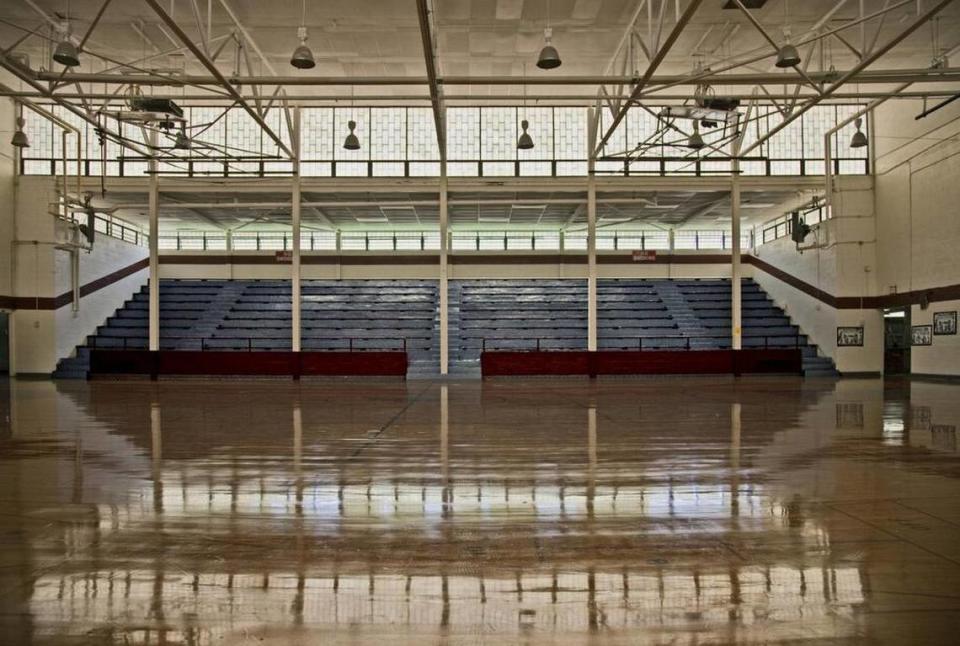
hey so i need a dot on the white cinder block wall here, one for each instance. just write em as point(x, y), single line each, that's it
point(841, 262)
point(918, 216)
point(108, 255)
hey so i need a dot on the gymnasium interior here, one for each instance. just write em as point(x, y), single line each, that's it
point(568, 322)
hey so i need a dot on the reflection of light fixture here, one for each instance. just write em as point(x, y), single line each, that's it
point(182, 141)
point(526, 141)
point(19, 138)
point(858, 140)
point(695, 142)
point(302, 57)
point(66, 52)
point(351, 142)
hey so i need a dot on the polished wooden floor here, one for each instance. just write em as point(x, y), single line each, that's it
point(635, 511)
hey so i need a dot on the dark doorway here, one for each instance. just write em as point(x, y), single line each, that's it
point(4, 343)
point(896, 341)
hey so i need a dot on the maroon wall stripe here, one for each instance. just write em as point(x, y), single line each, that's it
point(56, 302)
point(903, 299)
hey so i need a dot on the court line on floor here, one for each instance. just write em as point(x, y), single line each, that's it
point(895, 535)
point(371, 438)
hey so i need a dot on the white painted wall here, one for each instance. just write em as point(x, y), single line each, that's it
point(943, 357)
point(841, 264)
point(918, 197)
point(108, 255)
point(33, 332)
point(232, 266)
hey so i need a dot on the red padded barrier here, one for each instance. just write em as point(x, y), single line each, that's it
point(268, 363)
point(646, 362)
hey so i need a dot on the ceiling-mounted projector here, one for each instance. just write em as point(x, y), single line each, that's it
point(155, 104)
point(697, 113)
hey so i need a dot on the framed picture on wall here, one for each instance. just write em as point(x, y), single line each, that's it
point(921, 335)
point(849, 336)
point(944, 323)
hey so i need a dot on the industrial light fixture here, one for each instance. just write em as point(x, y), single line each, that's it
point(351, 142)
point(526, 141)
point(302, 57)
point(66, 52)
point(788, 56)
point(859, 139)
point(695, 142)
point(19, 138)
point(182, 141)
point(549, 57)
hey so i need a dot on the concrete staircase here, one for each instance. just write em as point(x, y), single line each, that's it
point(678, 307)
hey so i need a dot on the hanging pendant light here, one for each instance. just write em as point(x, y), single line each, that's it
point(788, 56)
point(549, 57)
point(66, 52)
point(302, 57)
point(695, 141)
point(20, 139)
point(525, 142)
point(859, 139)
point(351, 142)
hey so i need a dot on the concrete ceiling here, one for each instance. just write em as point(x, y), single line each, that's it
point(363, 38)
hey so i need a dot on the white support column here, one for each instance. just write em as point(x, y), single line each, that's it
point(735, 305)
point(154, 216)
point(591, 263)
point(295, 223)
point(593, 118)
point(444, 292)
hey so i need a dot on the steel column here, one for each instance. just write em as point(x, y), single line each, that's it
point(154, 216)
point(295, 306)
point(736, 318)
point(444, 295)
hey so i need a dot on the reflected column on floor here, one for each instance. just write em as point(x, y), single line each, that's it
point(447, 494)
point(156, 457)
point(735, 421)
point(591, 459)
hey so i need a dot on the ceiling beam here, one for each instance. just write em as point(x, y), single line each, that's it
point(428, 39)
point(651, 69)
point(866, 62)
point(221, 80)
point(655, 83)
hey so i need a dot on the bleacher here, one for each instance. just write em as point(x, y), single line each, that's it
point(514, 315)
point(255, 315)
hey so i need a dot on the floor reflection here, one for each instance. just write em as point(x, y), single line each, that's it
point(664, 511)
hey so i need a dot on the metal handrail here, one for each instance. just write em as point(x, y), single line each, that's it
point(126, 342)
point(686, 345)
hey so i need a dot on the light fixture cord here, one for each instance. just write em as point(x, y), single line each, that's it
point(303, 14)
